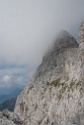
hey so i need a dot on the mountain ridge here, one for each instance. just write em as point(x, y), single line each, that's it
point(55, 93)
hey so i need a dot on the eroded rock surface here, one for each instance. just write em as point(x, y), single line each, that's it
point(9, 118)
point(55, 94)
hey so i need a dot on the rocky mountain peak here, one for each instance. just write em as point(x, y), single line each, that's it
point(64, 33)
point(55, 95)
point(63, 42)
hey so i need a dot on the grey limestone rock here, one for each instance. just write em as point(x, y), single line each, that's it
point(9, 118)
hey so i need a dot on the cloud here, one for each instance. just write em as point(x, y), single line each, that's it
point(7, 79)
point(14, 77)
point(27, 27)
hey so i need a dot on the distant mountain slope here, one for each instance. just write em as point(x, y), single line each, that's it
point(8, 96)
point(9, 104)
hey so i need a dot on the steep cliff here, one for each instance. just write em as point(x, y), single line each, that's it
point(55, 93)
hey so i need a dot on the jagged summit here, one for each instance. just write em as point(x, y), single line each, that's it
point(64, 33)
point(66, 40)
point(63, 42)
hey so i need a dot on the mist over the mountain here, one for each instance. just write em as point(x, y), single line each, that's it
point(27, 29)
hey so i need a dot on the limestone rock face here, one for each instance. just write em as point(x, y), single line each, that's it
point(55, 93)
point(81, 41)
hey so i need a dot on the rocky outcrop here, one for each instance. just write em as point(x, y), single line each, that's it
point(9, 118)
point(55, 93)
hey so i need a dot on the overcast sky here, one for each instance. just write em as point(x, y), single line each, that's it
point(28, 27)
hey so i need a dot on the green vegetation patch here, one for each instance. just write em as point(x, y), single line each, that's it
point(69, 87)
point(55, 83)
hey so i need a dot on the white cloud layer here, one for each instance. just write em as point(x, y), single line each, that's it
point(14, 77)
point(27, 27)
point(6, 79)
